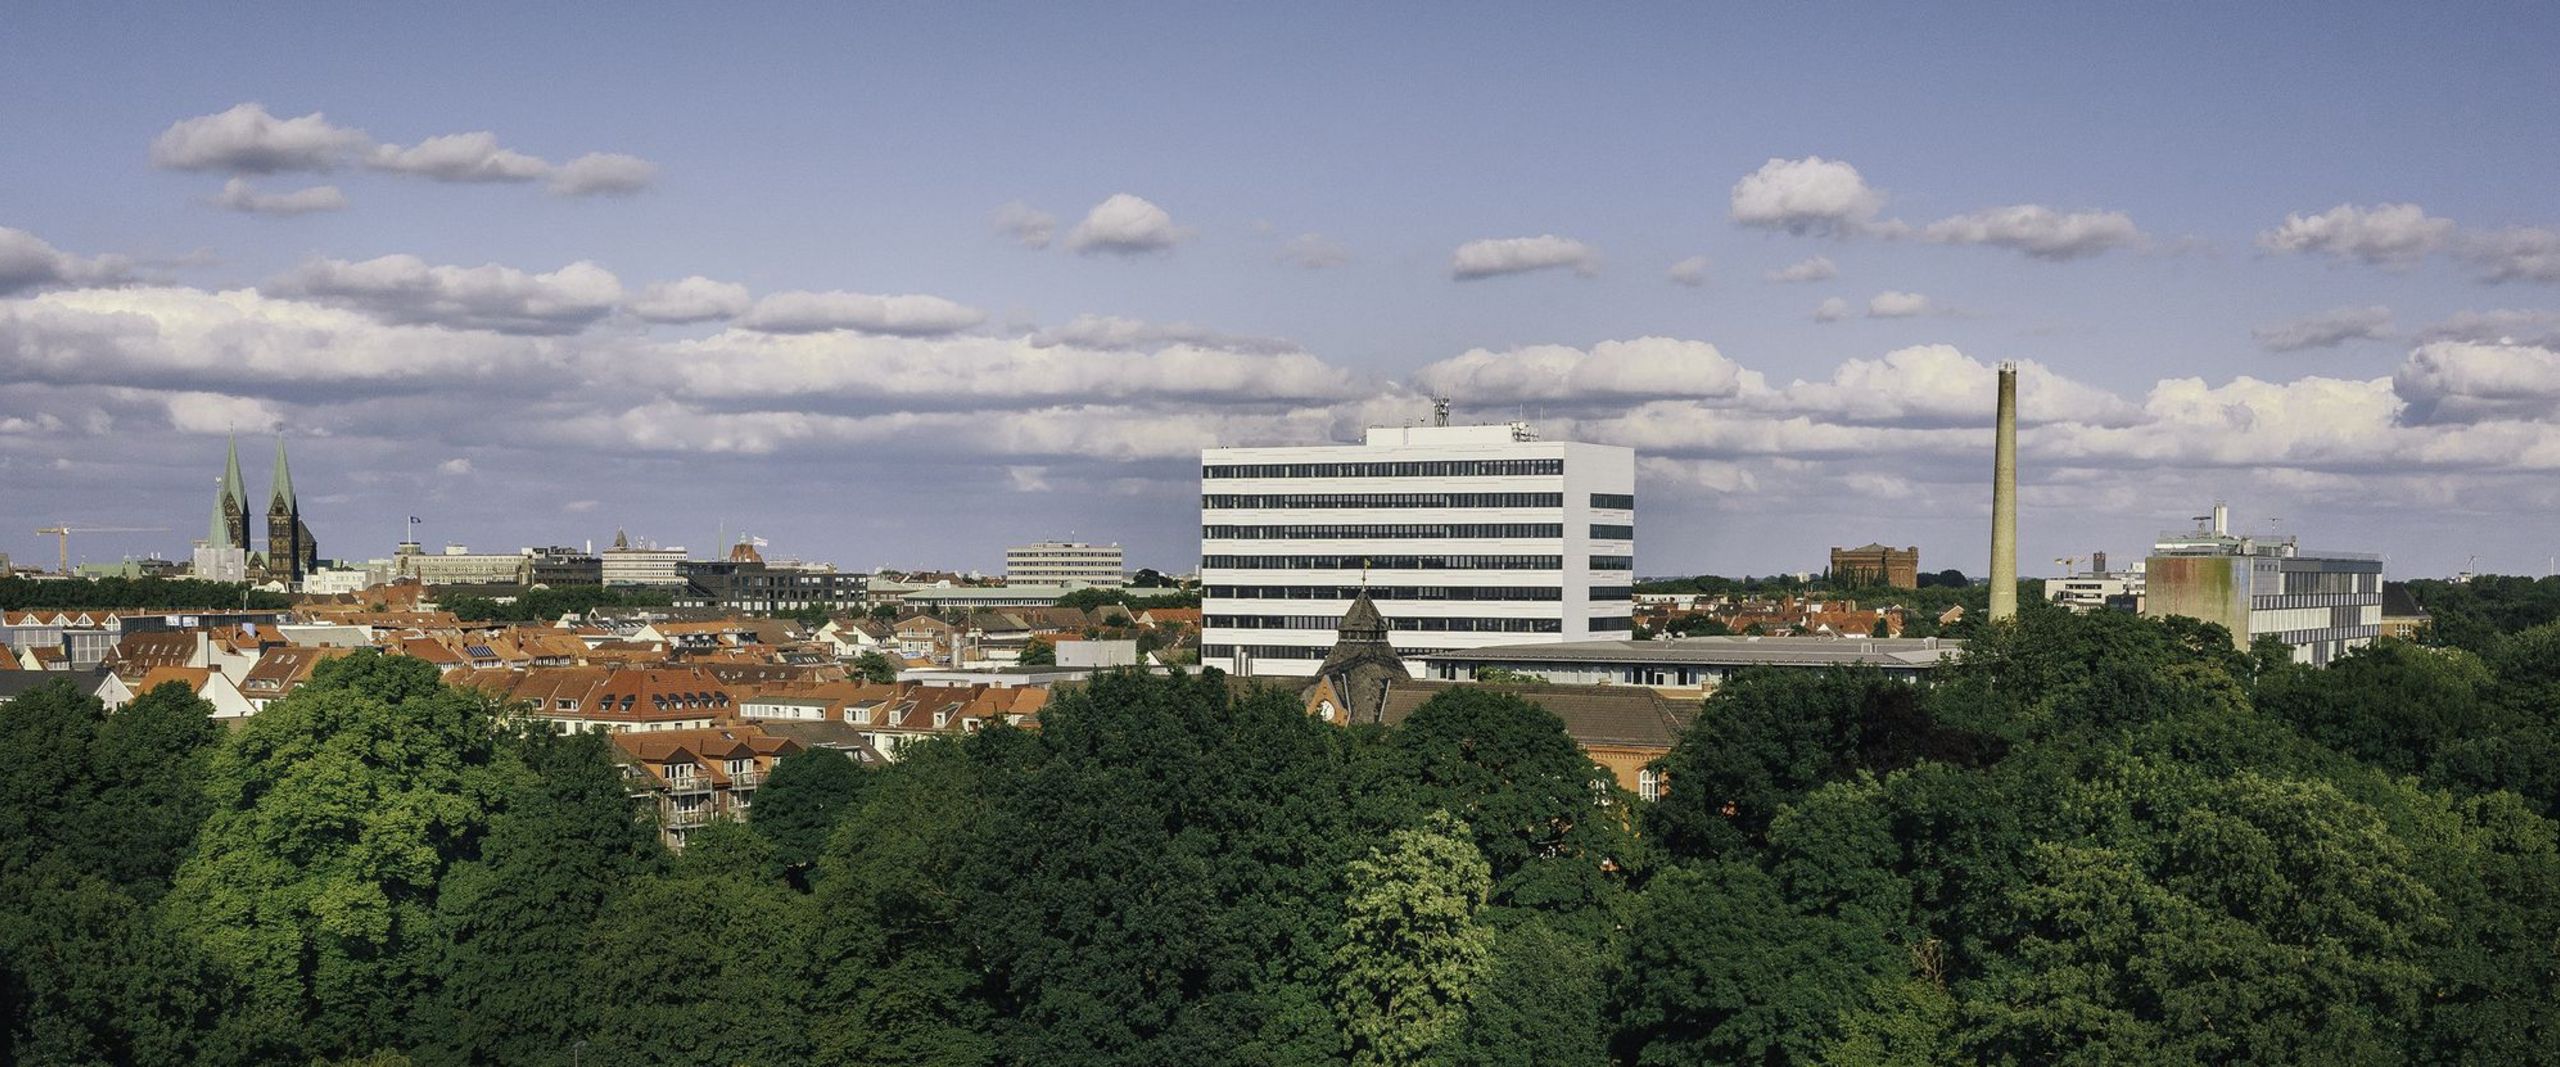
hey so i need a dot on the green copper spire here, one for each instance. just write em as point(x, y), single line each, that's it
point(284, 482)
point(233, 491)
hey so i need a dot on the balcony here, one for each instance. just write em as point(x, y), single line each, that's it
point(689, 818)
point(746, 779)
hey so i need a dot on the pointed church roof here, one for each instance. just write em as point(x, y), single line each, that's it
point(283, 480)
point(1362, 661)
point(233, 488)
point(1363, 621)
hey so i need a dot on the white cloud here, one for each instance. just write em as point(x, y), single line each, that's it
point(247, 140)
point(241, 341)
point(2462, 381)
point(2517, 253)
point(1111, 333)
point(1895, 304)
point(603, 174)
point(193, 412)
point(1814, 269)
point(2389, 234)
point(1495, 256)
point(405, 290)
point(2327, 329)
point(1027, 479)
point(27, 262)
point(1809, 195)
point(692, 299)
point(1126, 225)
point(237, 195)
point(580, 507)
point(2037, 230)
point(899, 316)
point(1646, 367)
point(457, 466)
point(1691, 272)
point(851, 368)
point(1832, 309)
point(2506, 325)
point(1938, 385)
point(459, 157)
point(1314, 251)
point(1027, 226)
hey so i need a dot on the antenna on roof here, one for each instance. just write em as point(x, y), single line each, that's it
point(1439, 411)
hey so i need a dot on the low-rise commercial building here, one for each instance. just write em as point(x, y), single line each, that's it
point(1691, 663)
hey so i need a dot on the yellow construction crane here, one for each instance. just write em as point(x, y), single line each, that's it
point(2069, 565)
point(62, 535)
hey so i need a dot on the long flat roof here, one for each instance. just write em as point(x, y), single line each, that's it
point(1722, 652)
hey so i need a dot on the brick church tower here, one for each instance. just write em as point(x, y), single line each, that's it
point(291, 555)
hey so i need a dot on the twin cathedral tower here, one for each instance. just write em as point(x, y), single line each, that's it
point(291, 554)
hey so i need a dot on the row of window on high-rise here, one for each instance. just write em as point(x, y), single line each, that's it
point(1390, 563)
point(1385, 531)
point(1381, 500)
point(1429, 468)
point(1216, 653)
point(1385, 592)
point(1410, 592)
point(1425, 624)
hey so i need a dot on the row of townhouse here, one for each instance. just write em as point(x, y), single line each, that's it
point(886, 717)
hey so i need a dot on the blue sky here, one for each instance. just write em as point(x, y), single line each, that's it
point(2354, 374)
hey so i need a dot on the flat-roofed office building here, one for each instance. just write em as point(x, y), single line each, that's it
point(1065, 562)
point(1464, 536)
point(2322, 604)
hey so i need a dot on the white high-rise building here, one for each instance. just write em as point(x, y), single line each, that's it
point(1465, 536)
point(1062, 562)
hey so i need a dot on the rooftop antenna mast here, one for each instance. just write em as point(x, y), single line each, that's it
point(1439, 411)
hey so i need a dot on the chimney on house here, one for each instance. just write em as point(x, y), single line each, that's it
point(2004, 500)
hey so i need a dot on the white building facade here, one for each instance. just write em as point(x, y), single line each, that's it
point(1464, 536)
point(1064, 562)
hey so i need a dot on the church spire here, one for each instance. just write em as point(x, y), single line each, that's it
point(283, 479)
point(230, 506)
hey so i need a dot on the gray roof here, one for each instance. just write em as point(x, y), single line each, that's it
point(1722, 652)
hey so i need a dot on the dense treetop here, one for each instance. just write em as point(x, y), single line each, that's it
point(2096, 839)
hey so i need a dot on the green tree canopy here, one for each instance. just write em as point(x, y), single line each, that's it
point(1412, 954)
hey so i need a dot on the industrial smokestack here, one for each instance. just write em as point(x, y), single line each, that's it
point(2221, 519)
point(2004, 500)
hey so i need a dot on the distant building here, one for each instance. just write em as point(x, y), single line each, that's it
point(2320, 603)
point(558, 567)
point(2401, 616)
point(1460, 535)
point(458, 565)
point(1061, 562)
point(2097, 591)
point(1875, 564)
point(747, 583)
point(1693, 663)
point(624, 564)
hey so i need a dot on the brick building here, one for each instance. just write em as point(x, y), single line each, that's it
point(1898, 568)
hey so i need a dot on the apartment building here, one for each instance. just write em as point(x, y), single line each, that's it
point(1065, 562)
point(1463, 536)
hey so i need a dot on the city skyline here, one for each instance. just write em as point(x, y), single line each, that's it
point(906, 289)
